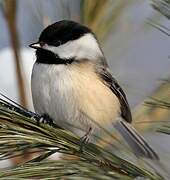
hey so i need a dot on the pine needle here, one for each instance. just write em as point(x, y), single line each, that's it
point(20, 131)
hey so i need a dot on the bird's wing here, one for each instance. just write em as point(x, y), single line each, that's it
point(117, 90)
point(137, 143)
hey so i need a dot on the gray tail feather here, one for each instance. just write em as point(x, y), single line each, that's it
point(136, 142)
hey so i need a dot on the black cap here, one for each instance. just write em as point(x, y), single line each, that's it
point(62, 32)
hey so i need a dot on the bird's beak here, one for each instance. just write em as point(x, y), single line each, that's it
point(36, 45)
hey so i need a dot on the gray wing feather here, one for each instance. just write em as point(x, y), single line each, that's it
point(137, 143)
point(117, 90)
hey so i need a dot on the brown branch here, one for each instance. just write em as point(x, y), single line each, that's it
point(10, 15)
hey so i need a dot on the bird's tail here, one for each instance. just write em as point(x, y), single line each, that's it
point(136, 142)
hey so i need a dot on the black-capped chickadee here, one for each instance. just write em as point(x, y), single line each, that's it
point(72, 84)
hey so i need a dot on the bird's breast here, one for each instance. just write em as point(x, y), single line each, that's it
point(73, 94)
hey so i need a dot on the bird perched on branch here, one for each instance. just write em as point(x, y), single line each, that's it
point(72, 85)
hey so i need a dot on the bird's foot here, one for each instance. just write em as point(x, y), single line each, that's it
point(46, 119)
point(85, 139)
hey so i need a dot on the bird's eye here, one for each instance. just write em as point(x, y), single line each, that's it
point(42, 43)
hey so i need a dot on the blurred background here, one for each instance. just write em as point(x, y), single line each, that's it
point(134, 36)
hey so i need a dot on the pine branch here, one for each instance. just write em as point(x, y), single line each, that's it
point(19, 131)
point(158, 103)
point(72, 169)
point(164, 127)
point(163, 6)
point(160, 27)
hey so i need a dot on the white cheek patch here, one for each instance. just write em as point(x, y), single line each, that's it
point(84, 47)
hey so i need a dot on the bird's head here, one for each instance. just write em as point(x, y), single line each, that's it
point(66, 40)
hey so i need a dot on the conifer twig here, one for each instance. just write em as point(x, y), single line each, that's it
point(19, 131)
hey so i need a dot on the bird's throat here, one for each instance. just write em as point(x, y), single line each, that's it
point(47, 57)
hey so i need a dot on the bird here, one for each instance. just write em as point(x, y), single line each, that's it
point(72, 84)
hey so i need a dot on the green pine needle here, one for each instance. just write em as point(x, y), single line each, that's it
point(19, 131)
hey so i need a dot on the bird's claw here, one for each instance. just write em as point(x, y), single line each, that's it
point(85, 139)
